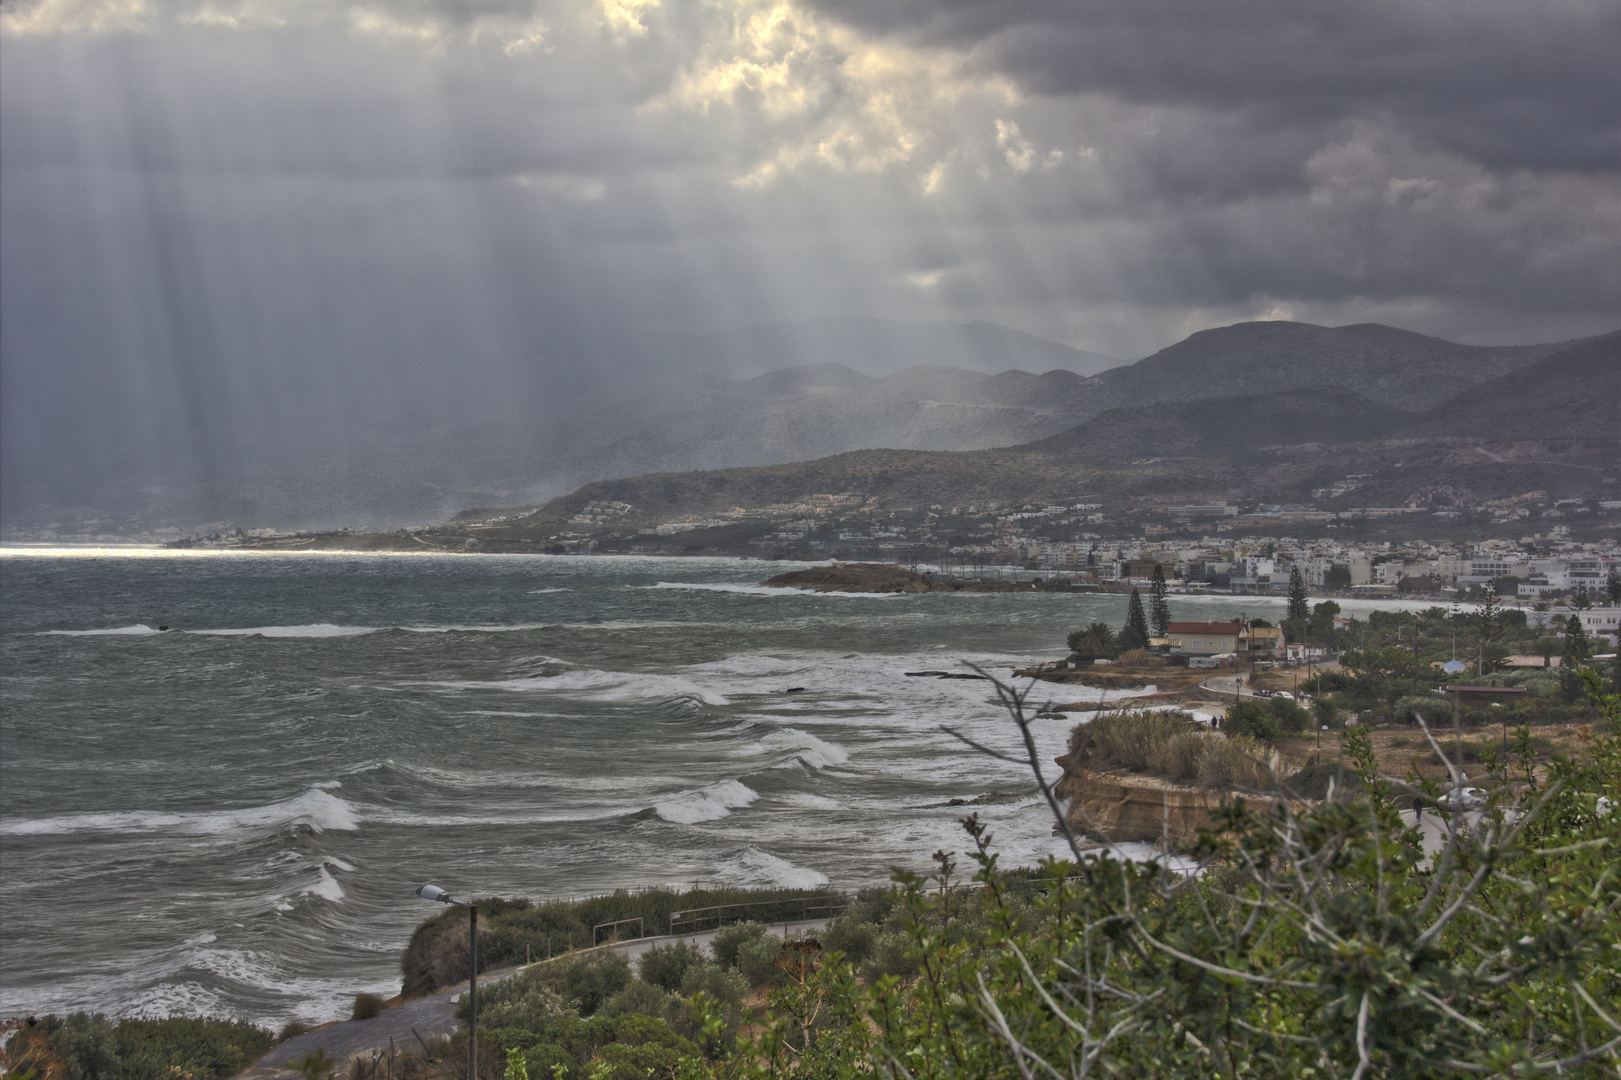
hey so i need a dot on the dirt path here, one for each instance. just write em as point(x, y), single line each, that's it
point(425, 1018)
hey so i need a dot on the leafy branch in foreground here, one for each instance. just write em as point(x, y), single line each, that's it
point(1335, 940)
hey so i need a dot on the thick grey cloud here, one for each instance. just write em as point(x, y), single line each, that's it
point(247, 240)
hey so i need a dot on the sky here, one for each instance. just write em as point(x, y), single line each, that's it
point(235, 228)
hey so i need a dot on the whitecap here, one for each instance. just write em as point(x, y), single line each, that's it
point(314, 808)
point(137, 629)
point(542, 592)
point(709, 803)
point(806, 748)
point(600, 685)
point(752, 867)
point(307, 630)
point(759, 590)
point(326, 887)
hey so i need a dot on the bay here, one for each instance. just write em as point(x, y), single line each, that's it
point(231, 816)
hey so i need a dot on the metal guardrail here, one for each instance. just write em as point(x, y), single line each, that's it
point(797, 908)
point(596, 931)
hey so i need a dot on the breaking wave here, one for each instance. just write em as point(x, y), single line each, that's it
point(316, 809)
point(709, 803)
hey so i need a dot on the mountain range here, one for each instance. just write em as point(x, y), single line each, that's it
point(1255, 410)
point(798, 400)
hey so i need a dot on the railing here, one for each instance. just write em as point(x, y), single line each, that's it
point(596, 931)
point(802, 908)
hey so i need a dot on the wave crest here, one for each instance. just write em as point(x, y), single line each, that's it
point(709, 803)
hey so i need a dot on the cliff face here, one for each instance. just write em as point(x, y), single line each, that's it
point(1123, 807)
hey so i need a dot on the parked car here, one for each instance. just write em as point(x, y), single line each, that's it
point(1462, 798)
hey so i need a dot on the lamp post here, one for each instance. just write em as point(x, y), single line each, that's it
point(437, 895)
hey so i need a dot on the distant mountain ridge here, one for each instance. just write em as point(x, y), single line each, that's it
point(1556, 415)
point(818, 410)
point(1381, 363)
point(820, 389)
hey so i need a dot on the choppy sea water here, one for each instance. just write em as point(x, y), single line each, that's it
point(232, 816)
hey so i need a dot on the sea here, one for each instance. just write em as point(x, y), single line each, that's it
point(224, 775)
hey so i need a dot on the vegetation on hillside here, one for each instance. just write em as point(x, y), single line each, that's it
point(519, 931)
point(85, 1046)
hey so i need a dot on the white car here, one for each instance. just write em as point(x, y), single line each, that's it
point(1463, 798)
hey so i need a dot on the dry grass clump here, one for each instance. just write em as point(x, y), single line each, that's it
point(367, 1006)
point(1171, 745)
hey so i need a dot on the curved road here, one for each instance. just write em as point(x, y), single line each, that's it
point(424, 1018)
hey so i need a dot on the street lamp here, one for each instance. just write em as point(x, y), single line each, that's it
point(435, 894)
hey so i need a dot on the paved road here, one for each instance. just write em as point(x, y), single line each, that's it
point(435, 1015)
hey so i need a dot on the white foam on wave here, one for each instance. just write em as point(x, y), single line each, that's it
point(543, 592)
point(710, 803)
point(477, 628)
point(811, 802)
point(599, 685)
point(314, 808)
point(138, 629)
point(806, 749)
point(307, 630)
point(752, 867)
point(759, 590)
point(326, 887)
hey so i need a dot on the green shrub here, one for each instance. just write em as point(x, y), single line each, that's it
point(725, 988)
point(89, 1046)
point(94, 1048)
point(591, 979)
point(757, 961)
point(892, 955)
point(666, 967)
point(1291, 717)
point(581, 1049)
point(524, 1002)
point(1252, 719)
point(852, 937)
point(725, 944)
point(643, 999)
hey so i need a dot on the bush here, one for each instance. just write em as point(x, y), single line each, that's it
point(643, 999)
point(666, 967)
point(1173, 746)
point(892, 955)
point(292, 1029)
point(725, 944)
point(524, 1002)
point(722, 984)
point(1252, 719)
point(367, 1006)
point(94, 1048)
point(852, 937)
point(757, 961)
point(1291, 717)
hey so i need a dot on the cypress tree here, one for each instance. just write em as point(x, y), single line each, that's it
point(1577, 647)
point(1135, 634)
point(1299, 607)
point(1159, 607)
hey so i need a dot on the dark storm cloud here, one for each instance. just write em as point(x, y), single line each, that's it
point(1510, 84)
point(246, 239)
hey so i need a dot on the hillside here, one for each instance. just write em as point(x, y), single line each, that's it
point(1277, 447)
point(1381, 363)
point(1573, 394)
point(826, 408)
